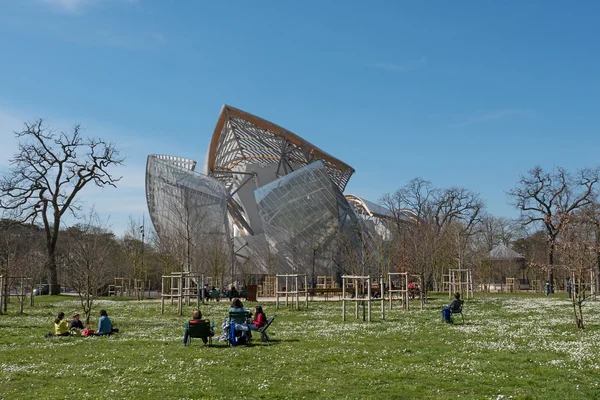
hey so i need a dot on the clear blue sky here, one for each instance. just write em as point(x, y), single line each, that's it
point(460, 93)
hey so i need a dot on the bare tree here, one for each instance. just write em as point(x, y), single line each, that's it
point(90, 264)
point(444, 222)
point(550, 198)
point(591, 215)
point(578, 252)
point(48, 172)
point(21, 259)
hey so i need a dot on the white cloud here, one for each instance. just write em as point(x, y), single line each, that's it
point(492, 116)
point(77, 7)
point(403, 67)
point(68, 6)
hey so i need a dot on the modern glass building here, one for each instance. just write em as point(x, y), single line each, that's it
point(267, 200)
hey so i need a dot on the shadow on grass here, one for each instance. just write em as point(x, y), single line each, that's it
point(225, 345)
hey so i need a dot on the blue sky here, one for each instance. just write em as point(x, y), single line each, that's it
point(460, 93)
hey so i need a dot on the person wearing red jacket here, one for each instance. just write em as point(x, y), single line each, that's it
point(260, 319)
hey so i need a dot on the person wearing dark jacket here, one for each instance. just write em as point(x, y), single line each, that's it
point(454, 306)
point(76, 323)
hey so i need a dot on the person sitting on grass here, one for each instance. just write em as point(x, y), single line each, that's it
point(260, 319)
point(104, 325)
point(61, 325)
point(196, 318)
point(454, 306)
point(76, 326)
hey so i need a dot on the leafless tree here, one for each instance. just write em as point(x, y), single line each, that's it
point(218, 257)
point(90, 265)
point(444, 221)
point(21, 259)
point(591, 216)
point(577, 251)
point(47, 173)
point(549, 199)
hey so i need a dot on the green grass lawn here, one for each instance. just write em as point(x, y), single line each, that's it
point(519, 347)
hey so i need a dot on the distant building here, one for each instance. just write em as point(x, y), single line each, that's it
point(272, 198)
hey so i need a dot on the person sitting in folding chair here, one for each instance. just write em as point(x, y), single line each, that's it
point(454, 307)
point(260, 319)
point(235, 328)
point(196, 320)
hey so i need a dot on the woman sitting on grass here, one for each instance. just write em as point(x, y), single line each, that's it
point(61, 325)
point(104, 325)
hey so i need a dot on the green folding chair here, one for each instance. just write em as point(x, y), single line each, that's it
point(199, 329)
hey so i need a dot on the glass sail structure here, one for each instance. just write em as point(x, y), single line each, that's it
point(273, 199)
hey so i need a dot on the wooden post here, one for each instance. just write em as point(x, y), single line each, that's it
point(21, 297)
point(287, 289)
point(406, 294)
point(343, 299)
point(381, 284)
point(276, 292)
point(162, 295)
point(306, 290)
point(295, 299)
point(356, 297)
point(180, 296)
point(390, 293)
point(1, 292)
point(369, 297)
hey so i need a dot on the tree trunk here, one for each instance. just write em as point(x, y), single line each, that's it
point(551, 266)
point(52, 271)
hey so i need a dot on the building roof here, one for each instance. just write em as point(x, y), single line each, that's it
point(376, 210)
point(502, 252)
point(243, 138)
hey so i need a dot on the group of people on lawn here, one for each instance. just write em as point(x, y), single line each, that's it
point(63, 327)
point(258, 322)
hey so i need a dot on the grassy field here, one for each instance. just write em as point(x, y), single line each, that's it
point(519, 347)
